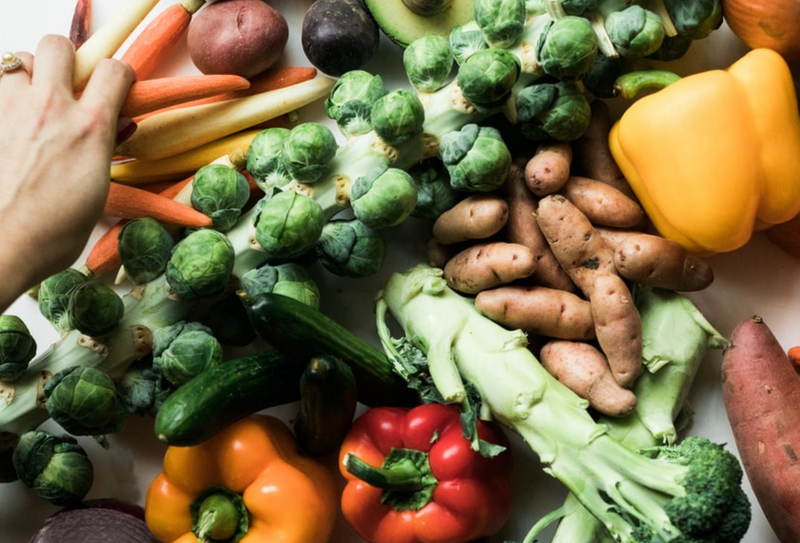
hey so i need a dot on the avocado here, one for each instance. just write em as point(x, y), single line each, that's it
point(402, 26)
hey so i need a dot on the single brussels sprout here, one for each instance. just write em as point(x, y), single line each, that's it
point(53, 296)
point(265, 160)
point(228, 321)
point(184, 350)
point(95, 308)
point(201, 265)
point(695, 20)
point(308, 151)
point(288, 224)
point(672, 48)
point(428, 62)
point(84, 401)
point(465, 40)
point(398, 116)
point(140, 387)
point(221, 193)
point(350, 248)
point(601, 78)
point(501, 21)
point(350, 101)
point(635, 32)
point(578, 7)
point(487, 77)
point(144, 246)
point(57, 468)
point(288, 279)
point(17, 348)
point(435, 195)
point(383, 197)
point(557, 111)
point(567, 47)
point(476, 157)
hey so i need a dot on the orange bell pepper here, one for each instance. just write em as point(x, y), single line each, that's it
point(246, 484)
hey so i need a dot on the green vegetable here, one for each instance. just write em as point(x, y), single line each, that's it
point(567, 47)
point(428, 62)
point(265, 160)
point(476, 158)
point(501, 21)
point(223, 394)
point(56, 467)
point(84, 401)
point(228, 321)
point(350, 101)
point(602, 76)
point(145, 246)
point(486, 77)
point(465, 40)
point(287, 224)
point(397, 116)
point(557, 111)
point(435, 195)
point(221, 193)
point(201, 265)
point(691, 490)
point(288, 279)
point(53, 296)
point(578, 7)
point(695, 20)
point(308, 151)
point(142, 389)
point(672, 48)
point(184, 350)
point(350, 248)
point(403, 25)
point(635, 31)
point(17, 348)
point(382, 198)
point(94, 308)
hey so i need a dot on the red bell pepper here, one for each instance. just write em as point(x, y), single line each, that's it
point(412, 477)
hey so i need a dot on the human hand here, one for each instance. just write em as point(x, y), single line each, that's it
point(55, 153)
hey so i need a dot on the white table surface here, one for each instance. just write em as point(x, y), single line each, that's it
point(757, 279)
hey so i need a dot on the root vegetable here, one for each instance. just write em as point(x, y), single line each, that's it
point(549, 168)
point(487, 265)
point(438, 254)
point(761, 392)
point(538, 310)
point(584, 370)
point(476, 217)
point(603, 204)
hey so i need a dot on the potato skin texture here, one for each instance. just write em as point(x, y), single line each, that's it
point(584, 370)
point(487, 265)
point(548, 169)
point(538, 310)
point(602, 204)
point(240, 37)
point(476, 217)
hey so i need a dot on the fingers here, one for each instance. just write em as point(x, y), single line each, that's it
point(16, 80)
point(109, 84)
point(55, 61)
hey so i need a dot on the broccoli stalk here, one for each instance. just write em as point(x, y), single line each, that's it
point(688, 492)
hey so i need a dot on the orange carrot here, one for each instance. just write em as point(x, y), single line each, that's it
point(127, 202)
point(153, 94)
point(104, 256)
point(81, 23)
point(157, 39)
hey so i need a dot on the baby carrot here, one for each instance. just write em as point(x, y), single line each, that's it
point(152, 94)
point(81, 23)
point(126, 202)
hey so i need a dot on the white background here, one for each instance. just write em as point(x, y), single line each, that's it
point(757, 279)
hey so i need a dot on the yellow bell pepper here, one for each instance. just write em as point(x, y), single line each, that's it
point(245, 484)
point(715, 155)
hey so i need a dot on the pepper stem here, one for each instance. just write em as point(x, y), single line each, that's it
point(629, 84)
point(219, 515)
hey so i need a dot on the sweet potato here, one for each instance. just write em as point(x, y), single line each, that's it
point(574, 241)
point(521, 227)
point(538, 310)
point(549, 167)
point(487, 265)
point(602, 204)
point(618, 327)
point(761, 393)
point(584, 370)
point(476, 217)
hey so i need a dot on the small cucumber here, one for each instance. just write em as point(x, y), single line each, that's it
point(328, 401)
point(221, 395)
point(302, 332)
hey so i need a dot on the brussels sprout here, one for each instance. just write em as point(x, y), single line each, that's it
point(383, 197)
point(578, 7)
point(465, 40)
point(288, 224)
point(17, 348)
point(557, 111)
point(695, 20)
point(265, 160)
point(672, 48)
point(56, 467)
point(144, 248)
point(288, 279)
point(635, 31)
point(140, 388)
point(501, 21)
point(84, 401)
point(398, 116)
point(476, 157)
point(567, 47)
point(201, 265)
point(95, 308)
point(435, 195)
point(183, 350)
point(602, 76)
point(53, 296)
point(350, 101)
point(350, 248)
point(428, 62)
point(221, 193)
point(228, 321)
point(308, 151)
point(487, 77)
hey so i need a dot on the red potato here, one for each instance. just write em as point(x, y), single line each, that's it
point(487, 265)
point(476, 217)
point(240, 37)
point(761, 392)
point(548, 169)
point(603, 204)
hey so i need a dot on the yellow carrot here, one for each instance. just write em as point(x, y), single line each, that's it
point(179, 130)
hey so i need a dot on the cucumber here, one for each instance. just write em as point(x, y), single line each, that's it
point(219, 396)
point(302, 332)
point(328, 401)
